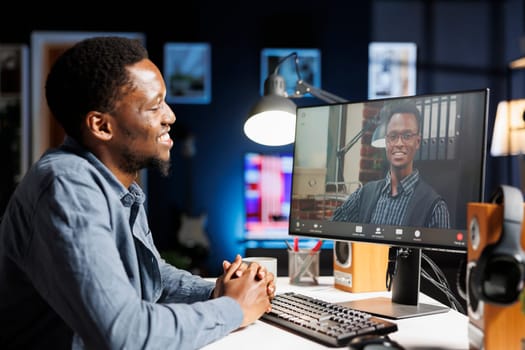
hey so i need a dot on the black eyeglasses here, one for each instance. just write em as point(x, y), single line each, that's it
point(374, 342)
point(405, 137)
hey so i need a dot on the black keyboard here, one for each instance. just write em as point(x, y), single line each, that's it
point(327, 323)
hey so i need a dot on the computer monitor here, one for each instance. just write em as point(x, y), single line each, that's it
point(394, 171)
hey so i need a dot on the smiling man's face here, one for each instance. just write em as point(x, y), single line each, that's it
point(402, 140)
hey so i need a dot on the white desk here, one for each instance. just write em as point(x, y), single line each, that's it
point(440, 331)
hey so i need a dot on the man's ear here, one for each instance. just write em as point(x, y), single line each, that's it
point(418, 141)
point(99, 125)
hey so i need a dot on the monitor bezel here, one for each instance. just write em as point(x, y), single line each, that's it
point(349, 232)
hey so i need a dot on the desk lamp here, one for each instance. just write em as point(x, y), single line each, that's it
point(271, 121)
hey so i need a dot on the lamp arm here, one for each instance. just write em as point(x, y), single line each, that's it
point(369, 125)
point(303, 88)
point(342, 151)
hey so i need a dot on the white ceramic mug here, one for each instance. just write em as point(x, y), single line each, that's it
point(268, 262)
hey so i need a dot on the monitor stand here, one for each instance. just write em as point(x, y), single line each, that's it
point(405, 291)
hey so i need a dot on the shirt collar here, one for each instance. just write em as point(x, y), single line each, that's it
point(407, 184)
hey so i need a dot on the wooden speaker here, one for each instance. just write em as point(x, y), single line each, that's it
point(491, 326)
point(360, 267)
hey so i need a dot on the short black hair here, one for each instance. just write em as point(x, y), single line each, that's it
point(91, 75)
point(405, 107)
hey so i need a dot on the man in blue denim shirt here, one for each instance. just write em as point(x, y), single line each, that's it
point(78, 266)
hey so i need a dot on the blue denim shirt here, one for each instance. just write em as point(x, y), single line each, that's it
point(79, 269)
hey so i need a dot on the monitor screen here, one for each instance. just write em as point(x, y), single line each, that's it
point(395, 171)
point(267, 192)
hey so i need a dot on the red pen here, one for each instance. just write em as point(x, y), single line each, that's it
point(317, 246)
point(296, 244)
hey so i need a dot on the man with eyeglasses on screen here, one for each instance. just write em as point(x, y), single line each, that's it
point(402, 197)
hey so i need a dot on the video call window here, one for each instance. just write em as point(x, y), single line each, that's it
point(341, 147)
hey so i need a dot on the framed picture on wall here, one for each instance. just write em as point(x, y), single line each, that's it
point(14, 112)
point(46, 46)
point(391, 69)
point(308, 61)
point(187, 70)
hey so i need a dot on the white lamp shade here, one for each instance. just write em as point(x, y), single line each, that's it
point(271, 128)
point(508, 137)
point(272, 121)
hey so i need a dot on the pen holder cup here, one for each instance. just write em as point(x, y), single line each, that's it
point(303, 267)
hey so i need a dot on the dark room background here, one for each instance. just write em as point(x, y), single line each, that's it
point(461, 45)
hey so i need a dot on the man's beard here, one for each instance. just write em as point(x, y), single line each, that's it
point(133, 164)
